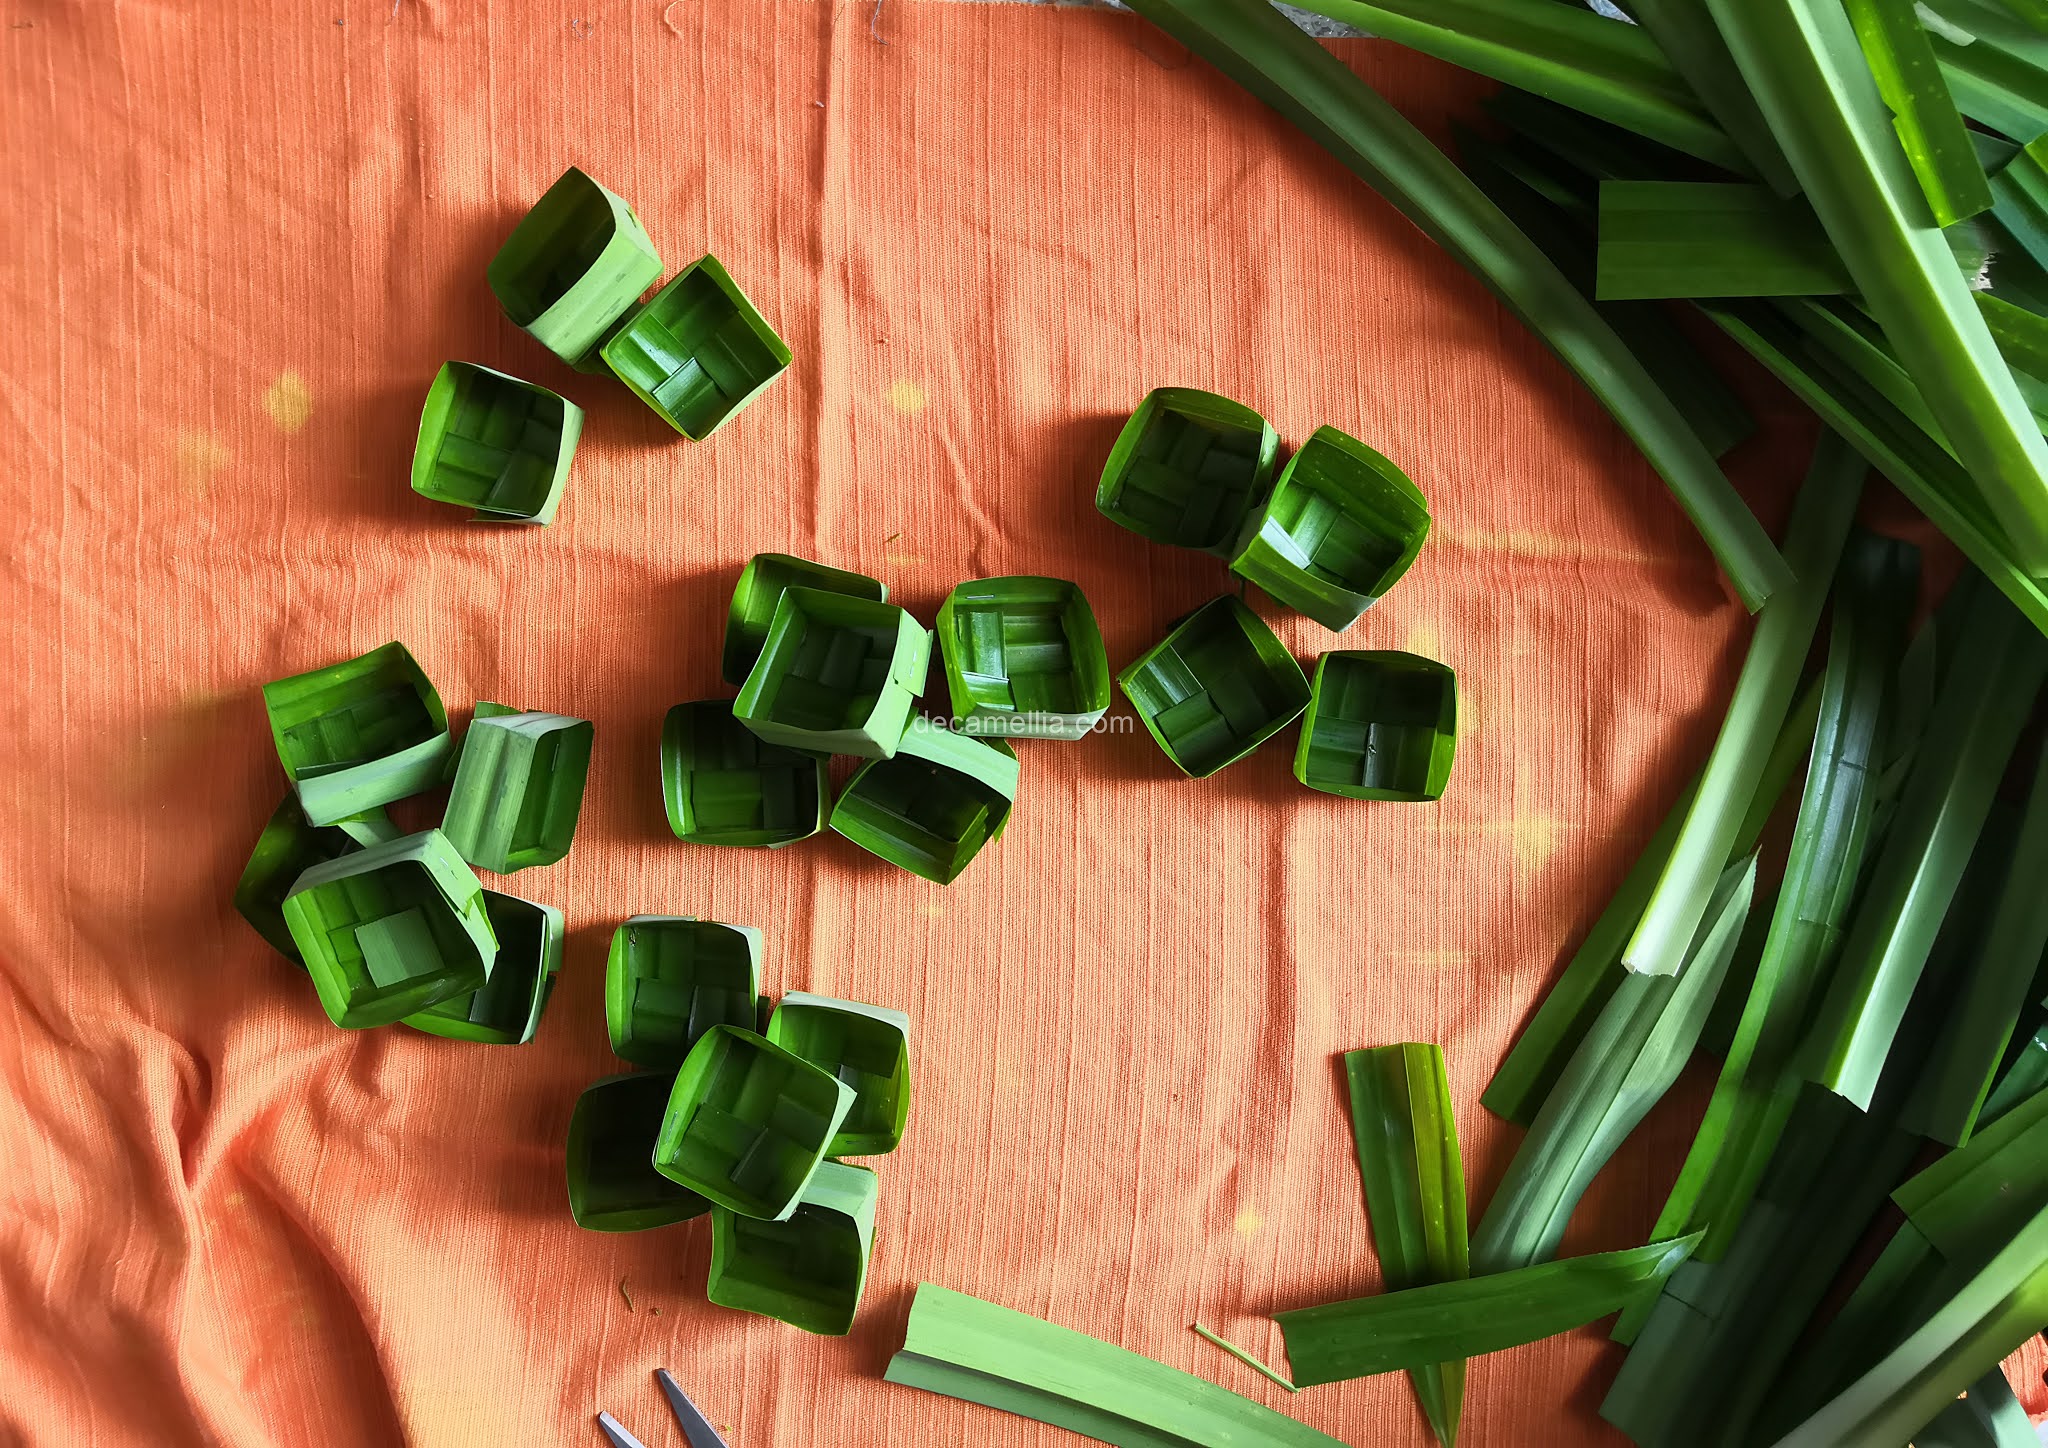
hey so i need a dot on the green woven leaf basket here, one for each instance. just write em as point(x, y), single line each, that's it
point(358, 734)
point(518, 788)
point(1188, 469)
point(1380, 725)
point(1216, 687)
point(613, 1186)
point(807, 1271)
point(671, 978)
point(932, 806)
point(491, 442)
point(1340, 529)
point(867, 1047)
point(390, 930)
point(1024, 658)
point(573, 266)
point(725, 785)
point(698, 351)
point(748, 1123)
point(837, 675)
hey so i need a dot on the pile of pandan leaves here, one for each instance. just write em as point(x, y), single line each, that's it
point(1855, 191)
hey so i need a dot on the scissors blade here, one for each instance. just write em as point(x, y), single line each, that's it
point(616, 1431)
point(696, 1427)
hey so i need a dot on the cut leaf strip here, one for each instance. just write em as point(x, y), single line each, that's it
point(1414, 1191)
point(1424, 1325)
point(1923, 113)
point(965, 1348)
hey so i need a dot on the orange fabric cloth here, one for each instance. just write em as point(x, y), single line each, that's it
point(243, 239)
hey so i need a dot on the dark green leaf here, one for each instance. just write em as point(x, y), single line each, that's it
point(1414, 1191)
point(1628, 1060)
point(1981, 1022)
point(1969, 1334)
point(1570, 56)
point(1987, 692)
point(1686, 33)
point(1399, 1330)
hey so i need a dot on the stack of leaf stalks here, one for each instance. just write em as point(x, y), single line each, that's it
point(1856, 191)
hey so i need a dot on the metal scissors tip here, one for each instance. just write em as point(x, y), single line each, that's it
point(616, 1431)
point(696, 1427)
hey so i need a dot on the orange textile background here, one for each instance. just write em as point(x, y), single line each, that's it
point(243, 239)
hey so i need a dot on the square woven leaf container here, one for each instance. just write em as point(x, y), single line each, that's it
point(1024, 658)
point(748, 1123)
point(867, 1047)
point(1340, 529)
point(1380, 725)
point(507, 1010)
point(698, 351)
point(1189, 469)
point(613, 1186)
point(671, 978)
point(933, 805)
point(1216, 687)
point(725, 785)
point(359, 734)
point(518, 788)
point(807, 1271)
point(573, 266)
point(837, 675)
point(760, 588)
point(491, 442)
point(289, 846)
point(392, 929)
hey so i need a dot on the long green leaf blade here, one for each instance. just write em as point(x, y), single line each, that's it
point(1754, 1096)
point(1968, 1202)
point(2021, 335)
point(966, 1348)
point(1626, 1063)
point(1803, 63)
point(1686, 33)
point(1414, 1191)
point(1252, 43)
point(1574, 57)
point(1990, 1315)
point(1980, 1024)
point(1937, 145)
point(1928, 476)
point(1987, 691)
point(1763, 694)
point(1399, 1330)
